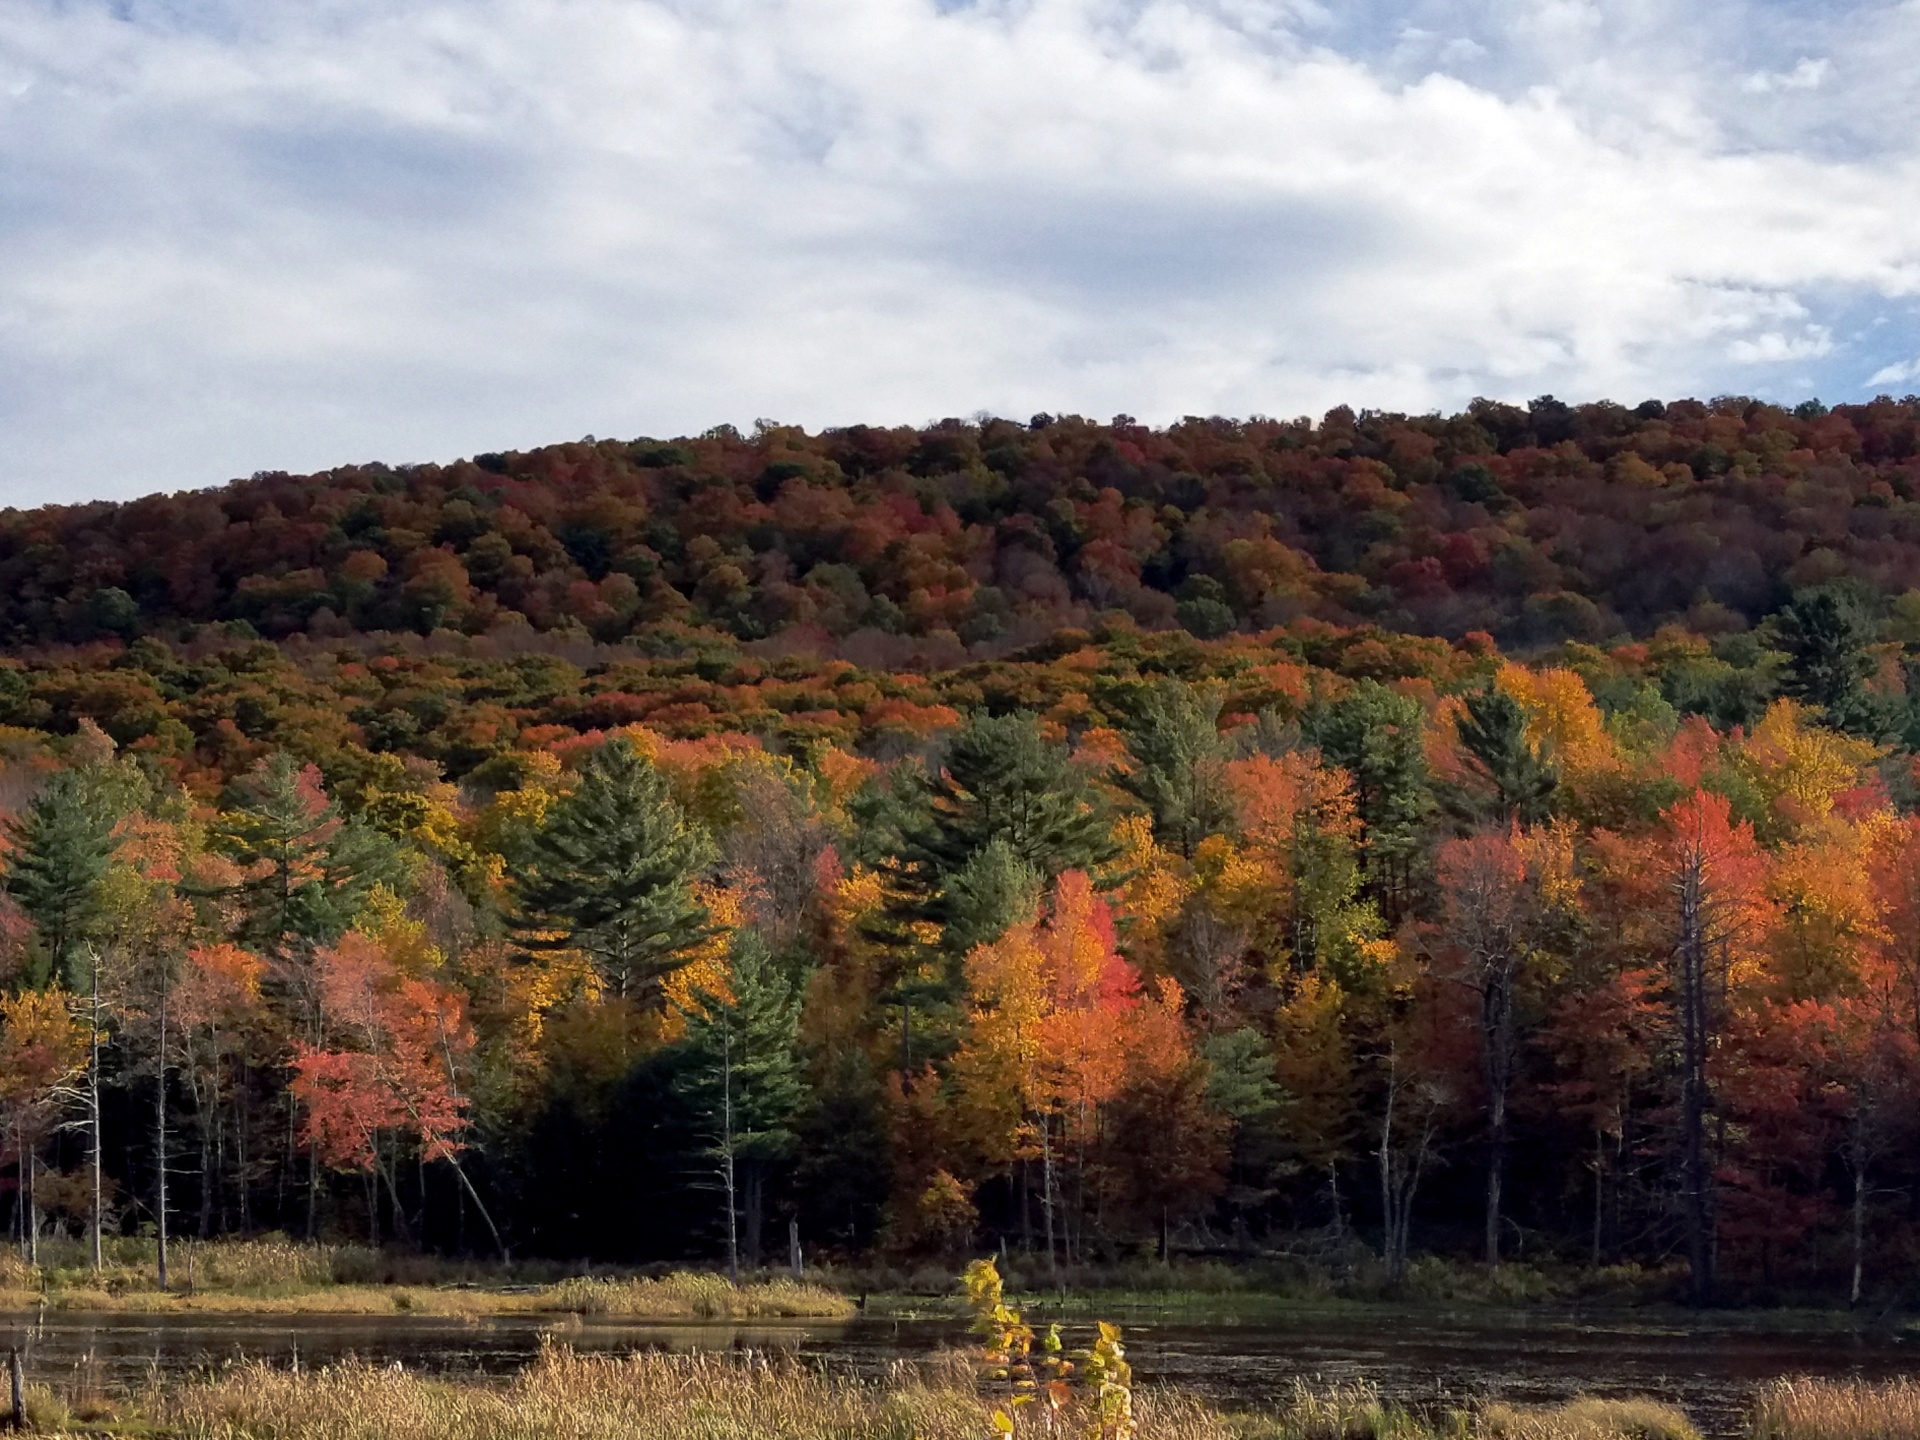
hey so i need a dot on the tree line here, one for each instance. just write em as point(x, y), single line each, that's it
point(1536, 524)
point(1159, 946)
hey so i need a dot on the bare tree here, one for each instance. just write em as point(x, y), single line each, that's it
point(1409, 1124)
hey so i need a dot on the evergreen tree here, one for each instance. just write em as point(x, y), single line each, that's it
point(308, 871)
point(1825, 638)
point(62, 847)
point(1175, 738)
point(1523, 776)
point(992, 891)
point(745, 1080)
point(1001, 784)
point(611, 873)
point(1375, 735)
point(1000, 779)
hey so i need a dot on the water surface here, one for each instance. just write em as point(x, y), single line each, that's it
point(1420, 1358)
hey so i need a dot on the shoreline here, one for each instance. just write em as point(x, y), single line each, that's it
point(667, 1302)
point(679, 1299)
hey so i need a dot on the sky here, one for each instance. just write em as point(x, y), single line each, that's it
point(244, 235)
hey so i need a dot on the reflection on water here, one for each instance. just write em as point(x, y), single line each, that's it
point(1424, 1359)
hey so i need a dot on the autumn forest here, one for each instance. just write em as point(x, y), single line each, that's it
point(1328, 844)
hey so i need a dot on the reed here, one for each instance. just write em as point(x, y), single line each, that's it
point(1349, 1410)
point(1838, 1410)
point(701, 1297)
point(1634, 1418)
point(275, 1275)
point(565, 1396)
point(743, 1396)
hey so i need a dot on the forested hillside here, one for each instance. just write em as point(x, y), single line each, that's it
point(1490, 835)
point(1535, 525)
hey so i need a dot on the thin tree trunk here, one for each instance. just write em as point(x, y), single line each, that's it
point(93, 1113)
point(753, 1194)
point(1046, 1190)
point(1859, 1232)
point(242, 1178)
point(402, 1228)
point(726, 1152)
point(1339, 1221)
point(33, 1208)
point(204, 1115)
point(478, 1204)
point(1497, 1037)
point(1599, 1189)
point(1388, 1228)
point(160, 1133)
point(22, 1207)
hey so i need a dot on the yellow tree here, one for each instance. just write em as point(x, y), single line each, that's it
point(42, 1050)
point(1055, 1015)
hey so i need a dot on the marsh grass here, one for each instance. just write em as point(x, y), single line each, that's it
point(1838, 1410)
point(1634, 1418)
point(737, 1395)
point(700, 1297)
point(744, 1396)
point(1351, 1410)
point(274, 1275)
point(564, 1396)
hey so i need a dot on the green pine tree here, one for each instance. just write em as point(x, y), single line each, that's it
point(61, 848)
point(611, 873)
point(1000, 779)
point(1825, 637)
point(744, 1079)
point(1523, 776)
point(992, 891)
point(1375, 735)
point(1175, 738)
point(309, 871)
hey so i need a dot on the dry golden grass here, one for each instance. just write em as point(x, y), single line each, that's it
point(1346, 1411)
point(655, 1396)
point(1838, 1410)
point(658, 1396)
point(276, 1276)
point(1638, 1418)
point(673, 1297)
point(564, 1396)
point(700, 1297)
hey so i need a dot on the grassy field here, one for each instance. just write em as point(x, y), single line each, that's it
point(565, 1396)
point(273, 1276)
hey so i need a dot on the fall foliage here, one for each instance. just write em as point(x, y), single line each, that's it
point(1493, 833)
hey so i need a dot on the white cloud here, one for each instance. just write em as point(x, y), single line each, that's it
point(1807, 75)
point(1774, 346)
point(287, 233)
point(1897, 374)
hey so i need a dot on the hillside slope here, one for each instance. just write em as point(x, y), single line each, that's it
point(1533, 525)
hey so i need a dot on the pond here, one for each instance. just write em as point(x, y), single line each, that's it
point(1421, 1358)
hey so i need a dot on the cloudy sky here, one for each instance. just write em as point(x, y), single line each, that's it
point(280, 234)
